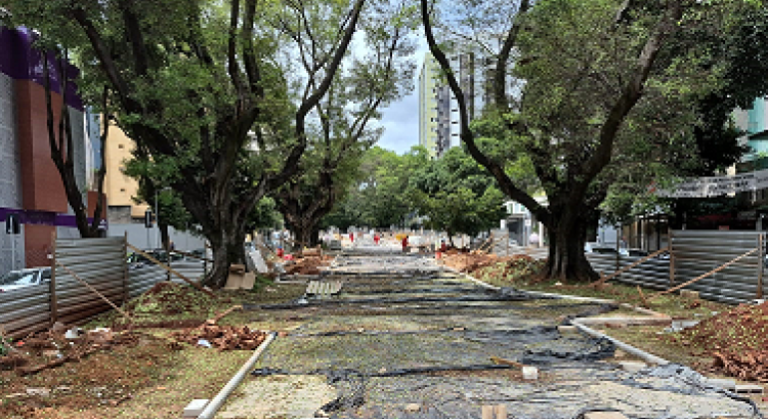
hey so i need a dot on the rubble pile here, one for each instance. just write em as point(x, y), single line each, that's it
point(309, 265)
point(58, 346)
point(736, 339)
point(223, 338)
point(170, 298)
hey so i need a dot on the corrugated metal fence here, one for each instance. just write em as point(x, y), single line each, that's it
point(101, 263)
point(694, 253)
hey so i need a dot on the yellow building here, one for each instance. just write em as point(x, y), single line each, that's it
point(119, 188)
point(428, 112)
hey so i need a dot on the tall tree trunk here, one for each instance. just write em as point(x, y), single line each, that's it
point(227, 249)
point(567, 236)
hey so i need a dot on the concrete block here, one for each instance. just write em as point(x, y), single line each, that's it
point(412, 407)
point(567, 330)
point(632, 366)
point(749, 388)
point(689, 295)
point(604, 415)
point(723, 383)
point(195, 408)
point(530, 373)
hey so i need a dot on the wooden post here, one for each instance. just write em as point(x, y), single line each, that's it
point(671, 258)
point(760, 264)
point(501, 411)
point(487, 411)
point(125, 268)
point(52, 285)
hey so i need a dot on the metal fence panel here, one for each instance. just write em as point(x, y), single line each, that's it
point(697, 252)
point(100, 262)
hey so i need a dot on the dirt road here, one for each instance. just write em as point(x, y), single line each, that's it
point(405, 339)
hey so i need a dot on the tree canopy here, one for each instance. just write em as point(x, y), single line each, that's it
point(587, 91)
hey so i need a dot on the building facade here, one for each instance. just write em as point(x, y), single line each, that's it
point(30, 185)
point(439, 117)
point(120, 188)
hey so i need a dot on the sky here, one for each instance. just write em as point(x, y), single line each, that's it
point(401, 119)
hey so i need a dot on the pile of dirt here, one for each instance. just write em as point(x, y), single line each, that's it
point(169, 298)
point(736, 339)
point(223, 338)
point(309, 265)
point(518, 267)
point(469, 262)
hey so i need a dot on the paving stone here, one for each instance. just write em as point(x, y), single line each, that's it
point(530, 373)
point(567, 330)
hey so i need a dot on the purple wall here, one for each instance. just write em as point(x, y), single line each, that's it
point(20, 60)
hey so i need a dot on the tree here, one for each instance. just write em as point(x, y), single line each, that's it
point(345, 115)
point(604, 85)
point(61, 142)
point(457, 195)
point(743, 63)
point(377, 197)
point(196, 82)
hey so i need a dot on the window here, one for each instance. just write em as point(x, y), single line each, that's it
point(120, 146)
point(122, 189)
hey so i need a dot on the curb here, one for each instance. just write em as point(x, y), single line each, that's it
point(581, 322)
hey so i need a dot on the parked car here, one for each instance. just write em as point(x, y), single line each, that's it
point(599, 248)
point(24, 278)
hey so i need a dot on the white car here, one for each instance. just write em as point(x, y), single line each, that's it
point(24, 278)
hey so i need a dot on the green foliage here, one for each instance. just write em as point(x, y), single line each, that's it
point(265, 215)
point(456, 195)
point(377, 198)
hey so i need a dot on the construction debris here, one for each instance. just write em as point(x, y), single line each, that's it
point(309, 265)
point(480, 264)
point(223, 338)
point(54, 349)
point(169, 298)
point(736, 340)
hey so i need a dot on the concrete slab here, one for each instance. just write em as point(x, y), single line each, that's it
point(195, 408)
point(278, 396)
point(723, 383)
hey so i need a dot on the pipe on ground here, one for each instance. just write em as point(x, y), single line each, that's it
point(214, 405)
